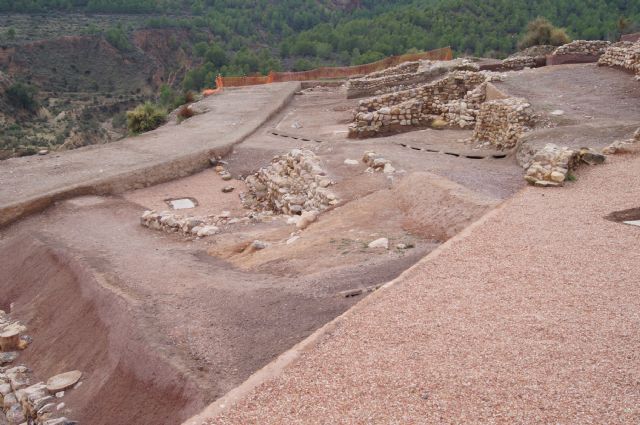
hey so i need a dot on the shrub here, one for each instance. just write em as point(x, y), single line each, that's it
point(145, 117)
point(185, 113)
point(22, 96)
point(541, 31)
point(189, 97)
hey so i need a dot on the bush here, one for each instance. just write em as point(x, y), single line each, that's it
point(541, 31)
point(145, 117)
point(185, 113)
point(22, 96)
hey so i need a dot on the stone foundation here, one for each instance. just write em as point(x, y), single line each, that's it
point(447, 98)
point(624, 55)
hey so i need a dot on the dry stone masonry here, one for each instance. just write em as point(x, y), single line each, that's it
point(196, 226)
point(583, 47)
point(624, 55)
point(501, 123)
point(531, 57)
point(420, 106)
point(292, 184)
point(23, 402)
point(404, 76)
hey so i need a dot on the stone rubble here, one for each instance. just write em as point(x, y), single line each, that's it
point(552, 165)
point(623, 146)
point(20, 401)
point(376, 162)
point(292, 184)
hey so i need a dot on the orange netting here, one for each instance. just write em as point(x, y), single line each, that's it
point(444, 53)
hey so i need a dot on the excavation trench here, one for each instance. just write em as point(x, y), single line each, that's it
point(162, 323)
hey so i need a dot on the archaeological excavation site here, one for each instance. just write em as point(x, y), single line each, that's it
point(359, 249)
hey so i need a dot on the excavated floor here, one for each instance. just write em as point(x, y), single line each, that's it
point(161, 324)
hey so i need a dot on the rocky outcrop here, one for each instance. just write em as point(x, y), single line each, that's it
point(624, 55)
point(501, 123)
point(293, 183)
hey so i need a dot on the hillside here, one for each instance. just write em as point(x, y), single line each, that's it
point(92, 59)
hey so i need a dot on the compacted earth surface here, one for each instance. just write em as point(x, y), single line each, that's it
point(163, 323)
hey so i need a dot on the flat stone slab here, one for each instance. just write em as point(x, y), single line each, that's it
point(633, 222)
point(63, 381)
point(182, 204)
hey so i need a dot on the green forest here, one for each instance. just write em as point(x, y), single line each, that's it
point(236, 37)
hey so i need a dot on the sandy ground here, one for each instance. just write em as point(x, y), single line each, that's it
point(531, 317)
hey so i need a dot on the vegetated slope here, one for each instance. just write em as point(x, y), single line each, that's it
point(88, 65)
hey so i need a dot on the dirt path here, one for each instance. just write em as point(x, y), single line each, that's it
point(513, 321)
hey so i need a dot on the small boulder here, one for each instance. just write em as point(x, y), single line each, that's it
point(228, 189)
point(380, 243)
point(63, 381)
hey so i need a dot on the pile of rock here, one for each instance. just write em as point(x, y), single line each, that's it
point(20, 401)
point(623, 146)
point(501, 123)
point(377, 163)
point(625, 55)
point(552, 165)
point(293, 183)
point(416, 107)
point(583, 47)
point(36, 404)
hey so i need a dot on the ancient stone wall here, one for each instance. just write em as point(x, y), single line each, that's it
point(501, 123)
point(419, 106)
point(625, 55)
point(411, 75)
point(403, 68)
point(583, 47)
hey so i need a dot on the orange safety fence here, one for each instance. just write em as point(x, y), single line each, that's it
point(444, 53)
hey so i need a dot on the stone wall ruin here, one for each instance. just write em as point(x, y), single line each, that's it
point(623, 55)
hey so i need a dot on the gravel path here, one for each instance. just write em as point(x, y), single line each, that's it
point(531, 316)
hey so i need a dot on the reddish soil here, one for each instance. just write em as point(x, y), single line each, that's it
point(161, 324)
